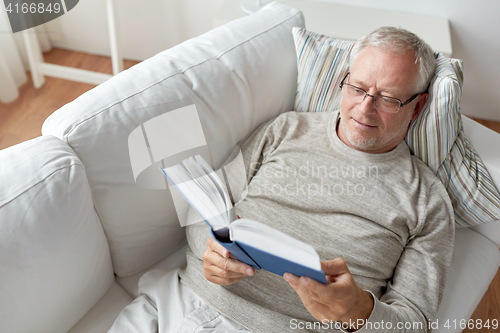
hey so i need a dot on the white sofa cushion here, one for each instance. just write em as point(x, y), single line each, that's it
point(54, 257)
point(238, 76)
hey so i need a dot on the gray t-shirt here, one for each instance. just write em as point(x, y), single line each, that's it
point(386, 215)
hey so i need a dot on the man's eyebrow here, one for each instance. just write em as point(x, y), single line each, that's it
point(388, 91)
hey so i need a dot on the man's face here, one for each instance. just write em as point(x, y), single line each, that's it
point(380, 72)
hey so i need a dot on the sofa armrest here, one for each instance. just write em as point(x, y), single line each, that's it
point(474, 264)
point(54, 258)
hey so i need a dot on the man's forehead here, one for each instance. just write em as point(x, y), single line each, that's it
point(358, 80)
point(387, 71)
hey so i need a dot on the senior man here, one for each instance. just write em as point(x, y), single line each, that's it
point(346, 183)
point(377, 216)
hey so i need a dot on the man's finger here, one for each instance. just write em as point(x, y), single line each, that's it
point(298, 286)
point(334, 267)
point(234, 265)
point(308, 298)
point(225, 260)
point(293, 280)
point(305, 286)
point(216, 247)
point(226, 274)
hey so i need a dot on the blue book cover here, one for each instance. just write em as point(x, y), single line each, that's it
point(259, 259)
point(279, 265)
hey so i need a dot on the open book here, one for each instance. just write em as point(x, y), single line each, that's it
point(252, 242)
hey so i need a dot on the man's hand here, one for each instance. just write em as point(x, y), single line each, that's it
point(222, 267)
point(340, 299)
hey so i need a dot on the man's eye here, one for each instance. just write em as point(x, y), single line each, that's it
point(359, 91)
point(388, 100)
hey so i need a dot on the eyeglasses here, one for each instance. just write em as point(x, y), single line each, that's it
point(380, 102)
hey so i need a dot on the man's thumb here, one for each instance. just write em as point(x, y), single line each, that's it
point(334, 267)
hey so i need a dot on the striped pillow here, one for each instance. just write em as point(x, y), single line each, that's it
point(322, 63)
point(436, 136)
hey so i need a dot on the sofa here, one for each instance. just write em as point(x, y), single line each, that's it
point(76, 230)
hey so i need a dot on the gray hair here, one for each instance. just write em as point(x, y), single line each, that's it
point(399, 41)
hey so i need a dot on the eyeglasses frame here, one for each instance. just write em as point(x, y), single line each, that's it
point(401, 104)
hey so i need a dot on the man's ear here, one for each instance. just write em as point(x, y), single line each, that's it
point(420, 105)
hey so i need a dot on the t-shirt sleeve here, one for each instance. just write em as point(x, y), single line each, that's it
point(259, 144)
point(413, 295)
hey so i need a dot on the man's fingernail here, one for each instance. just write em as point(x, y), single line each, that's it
point(286, 277)
point(249, 271)
point(304, 280)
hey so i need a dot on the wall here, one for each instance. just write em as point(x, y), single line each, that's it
point(144, 27)
point(147, 27)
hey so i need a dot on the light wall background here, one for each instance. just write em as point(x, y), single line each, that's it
point(144, 27)
point(147, 27)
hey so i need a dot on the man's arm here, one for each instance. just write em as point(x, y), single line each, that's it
point(417, 286)
point(413, 294)
point(259, 144)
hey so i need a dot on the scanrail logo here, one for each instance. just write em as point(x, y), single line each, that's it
point(28, 14)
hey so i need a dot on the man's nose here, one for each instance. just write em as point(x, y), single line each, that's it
point(367, 104)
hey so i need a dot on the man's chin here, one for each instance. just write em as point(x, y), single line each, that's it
point(360, 142)
point(369, 144)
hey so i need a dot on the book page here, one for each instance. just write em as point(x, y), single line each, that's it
point(204, 192)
